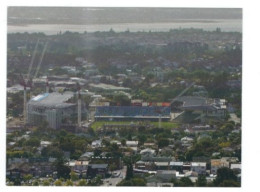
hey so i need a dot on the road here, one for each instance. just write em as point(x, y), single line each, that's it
point(114, 181)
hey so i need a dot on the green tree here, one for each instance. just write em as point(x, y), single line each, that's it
point(82, 182)
point(73, 176)
point(69, 183)
point(62, 170)
point(129, 171)
point(201, 181)
point(46, 183)
point(186, 182)
point(224, 174)
point(229, 183)
point(27, 177)
point(33, 142)
point(163, 143)
point(58, 182)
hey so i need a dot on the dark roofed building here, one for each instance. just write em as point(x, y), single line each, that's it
point(97, 169)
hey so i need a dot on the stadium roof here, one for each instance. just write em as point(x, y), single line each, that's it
point(55, 99)
point(108, 87)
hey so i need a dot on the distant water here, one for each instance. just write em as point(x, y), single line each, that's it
point(234, 25)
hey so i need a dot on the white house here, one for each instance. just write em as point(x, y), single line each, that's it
point(131, 143)
point(96, 143)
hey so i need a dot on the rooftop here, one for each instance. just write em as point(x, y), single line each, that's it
point(52, 99)
point(108, 87)
point(197, 164)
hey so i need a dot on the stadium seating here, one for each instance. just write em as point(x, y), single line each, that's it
point(132, 111)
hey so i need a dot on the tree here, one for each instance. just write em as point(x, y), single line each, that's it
point(62, 170)
point(229, 183)
point(46, 183)
point(201, 181)
point(129, 171)
point(186, 182)
point(73, 176)
point(58, 183)
point(163, 143)
point(123, 142)
point(82, 182)
point(33, 142)
point(69, 183)
point(27, 177)
point(224, 174)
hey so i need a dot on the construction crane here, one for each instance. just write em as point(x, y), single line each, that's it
point(40, 61)
point(28, 82)
point(173, 100)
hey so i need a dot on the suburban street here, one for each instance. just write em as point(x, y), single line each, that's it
point(113, 181)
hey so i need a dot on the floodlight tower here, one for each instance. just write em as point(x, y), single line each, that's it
point(22, 82)
point(47, 85)
point(79, 105)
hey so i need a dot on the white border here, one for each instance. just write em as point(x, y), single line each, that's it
point(250, 123)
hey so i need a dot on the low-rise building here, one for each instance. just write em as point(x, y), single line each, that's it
point(96, 143)
point(97, 169)
point(216, 164)
point(131, 143)
point(176, 165)
point(199, 167)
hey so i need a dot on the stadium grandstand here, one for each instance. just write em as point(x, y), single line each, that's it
point(208, 106)
point(152, 113)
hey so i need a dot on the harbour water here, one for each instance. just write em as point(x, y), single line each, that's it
point(234, 25)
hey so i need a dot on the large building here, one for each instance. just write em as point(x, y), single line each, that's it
point(53, 108)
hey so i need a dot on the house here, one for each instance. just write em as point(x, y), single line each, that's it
point(199, 167)
point(156, 184)
point(79, 166)
point(86, 156)
point(166, 175)
point(97, 169)
point(45, 143)
point(149, 145)
point(96, 143)
point(116, 142)
point(142, 165)
point(236, 167)
point(216, 164)
point(186, 141)
point(148, 152)
point(131, 143)
point(176, 165)
point(161, 165)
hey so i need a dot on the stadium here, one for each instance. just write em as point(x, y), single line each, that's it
point(208, 106)
point(54, 108)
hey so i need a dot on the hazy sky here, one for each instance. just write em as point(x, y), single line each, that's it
point(84, 15)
